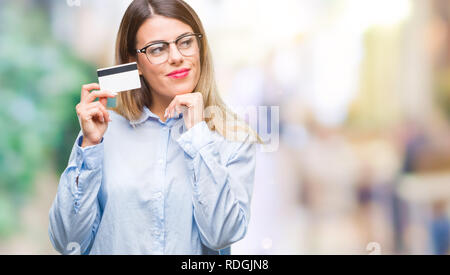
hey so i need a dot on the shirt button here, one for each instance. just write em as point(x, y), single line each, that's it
point(160, 161)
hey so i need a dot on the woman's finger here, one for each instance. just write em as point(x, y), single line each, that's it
point(103, 101)
point(93, 95)
point(105, 111)
point(167, 112)
point(95, 112)
point(169, 108)
point(182, 100)
point(102, 109)
point(179, 109)
point(85, 89)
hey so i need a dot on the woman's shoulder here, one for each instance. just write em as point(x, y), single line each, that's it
point(118, 124)
point(117, 119)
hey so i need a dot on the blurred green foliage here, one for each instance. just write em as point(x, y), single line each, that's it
point(40, 80)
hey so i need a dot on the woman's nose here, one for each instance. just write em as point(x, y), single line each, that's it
point(175, 57)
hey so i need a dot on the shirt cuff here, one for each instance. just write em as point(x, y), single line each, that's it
point(89, 157)
point(195, 139)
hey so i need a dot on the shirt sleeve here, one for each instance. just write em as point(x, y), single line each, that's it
point(221, 191)
point(75, 213)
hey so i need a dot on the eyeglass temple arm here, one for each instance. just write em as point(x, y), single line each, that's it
point(145, 49)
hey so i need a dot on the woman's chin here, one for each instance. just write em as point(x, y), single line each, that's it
point(175, 90)
point(183, 91)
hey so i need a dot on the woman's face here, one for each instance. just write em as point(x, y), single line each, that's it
point(163, 28)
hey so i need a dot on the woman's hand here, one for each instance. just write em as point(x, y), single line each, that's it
point(93, 116)
point(191, 105)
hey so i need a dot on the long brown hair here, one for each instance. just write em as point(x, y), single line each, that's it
point(130, 104)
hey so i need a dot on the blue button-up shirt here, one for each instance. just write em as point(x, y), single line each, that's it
point(154, 188)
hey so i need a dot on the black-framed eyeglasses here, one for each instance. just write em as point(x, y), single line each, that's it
point(158, 52)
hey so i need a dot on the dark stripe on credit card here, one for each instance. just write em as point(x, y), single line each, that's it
point(117, 70)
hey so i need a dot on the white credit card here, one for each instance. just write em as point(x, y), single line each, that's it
point(119, 78)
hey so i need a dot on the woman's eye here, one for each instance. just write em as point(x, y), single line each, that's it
point(186, 43)
point(157, 49)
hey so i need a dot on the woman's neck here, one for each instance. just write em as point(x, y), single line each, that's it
point(159, 105)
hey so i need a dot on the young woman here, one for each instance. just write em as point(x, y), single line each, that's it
point(168, 170)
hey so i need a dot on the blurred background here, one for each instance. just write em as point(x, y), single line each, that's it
point(363, 89)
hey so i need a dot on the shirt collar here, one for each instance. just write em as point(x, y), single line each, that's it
point(147, 114)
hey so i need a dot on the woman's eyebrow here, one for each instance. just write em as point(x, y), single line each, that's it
point(159, 41)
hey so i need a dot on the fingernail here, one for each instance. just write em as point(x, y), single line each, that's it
point(165, 113)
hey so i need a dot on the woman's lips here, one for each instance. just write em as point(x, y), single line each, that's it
point(180, 74)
